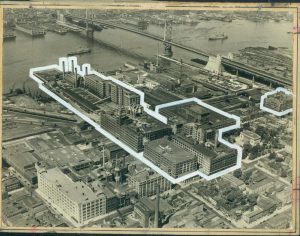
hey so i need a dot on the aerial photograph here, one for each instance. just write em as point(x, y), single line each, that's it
point(115, 118)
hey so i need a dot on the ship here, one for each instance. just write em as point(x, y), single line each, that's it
point(218, 37)
point(80, 51)
point(9, 36)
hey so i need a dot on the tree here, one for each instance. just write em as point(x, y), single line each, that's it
point(272, 156)
point(279, 159)
point(246, 125)
point(246, 148)
point(283, 173)
point(252, 199)
point(237, 173)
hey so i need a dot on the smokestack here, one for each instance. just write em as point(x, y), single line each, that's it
point(76, 78)
point(156, 217)
point(103, 157)
point(72, 63)
point(64, 69)
point(216, 138)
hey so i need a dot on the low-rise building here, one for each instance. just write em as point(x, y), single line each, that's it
point(260, 185)
point(11, 184)
point(237, 183)
point(249, 137)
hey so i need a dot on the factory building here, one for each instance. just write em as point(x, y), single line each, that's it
point(120, 95)
point(217, 160)
point(210, 161)
point(134, 132)
point(96, 85)
point(278, 102)
point(145, 181)
point(74, 200)
point(170, 158)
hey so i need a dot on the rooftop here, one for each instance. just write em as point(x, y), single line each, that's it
point(144, 175)
point(251, 134)
point(170, 151)
point(78, 192)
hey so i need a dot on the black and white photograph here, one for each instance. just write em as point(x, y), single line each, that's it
point(171, 119)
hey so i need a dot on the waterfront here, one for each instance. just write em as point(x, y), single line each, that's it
point(25, 52)
point(95, 154)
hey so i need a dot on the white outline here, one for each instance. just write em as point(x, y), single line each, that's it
point(276, 113)
point(70, 64)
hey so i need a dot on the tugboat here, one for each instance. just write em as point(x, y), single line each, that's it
point(80, 51)
point(218, 37)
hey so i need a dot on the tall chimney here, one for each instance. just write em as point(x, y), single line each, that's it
point(76, 78)
point(73, 67)
point(217, 138)
point(64, 69)
point(156, 216)
point(103, 156)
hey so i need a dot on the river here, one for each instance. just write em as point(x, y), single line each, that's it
point(25, 52)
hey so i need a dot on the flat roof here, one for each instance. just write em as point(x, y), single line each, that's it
point(66, 155)
point(251, 134)
point(22, 160)
point(144, 174)
point(78, 192)
point(170, 151)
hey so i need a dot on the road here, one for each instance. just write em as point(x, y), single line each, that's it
point(267, 217)
point(197, 197)
point(273, 175)
point(247, 161)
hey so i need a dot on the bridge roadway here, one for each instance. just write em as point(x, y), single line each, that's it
point(225, 61)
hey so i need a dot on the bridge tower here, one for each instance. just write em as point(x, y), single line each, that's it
point(89, 31)
point(168, 38)
point(60, 17)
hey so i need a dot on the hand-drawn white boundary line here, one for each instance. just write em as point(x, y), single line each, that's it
point(70, 64)
point(276, 113)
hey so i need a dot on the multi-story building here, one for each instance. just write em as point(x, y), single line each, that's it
point(144, 182)
point(250, 137)
point(189, 128)
point(134, 132)
point(144, 211)
point(120, 95)
point(278, 102)
point(119, 126)
point(74, 200)
point(202, 132)
point(72, 79)
point(210, 161)
point(96, 85)
point(187, 144)
point(130, 98)
point(170, 158)
point(218, 159)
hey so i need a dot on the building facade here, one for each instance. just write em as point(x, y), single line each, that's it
point(96, 85)
point(170, 158)
point(250, 137)
point(144, 183)
point(75, 200)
